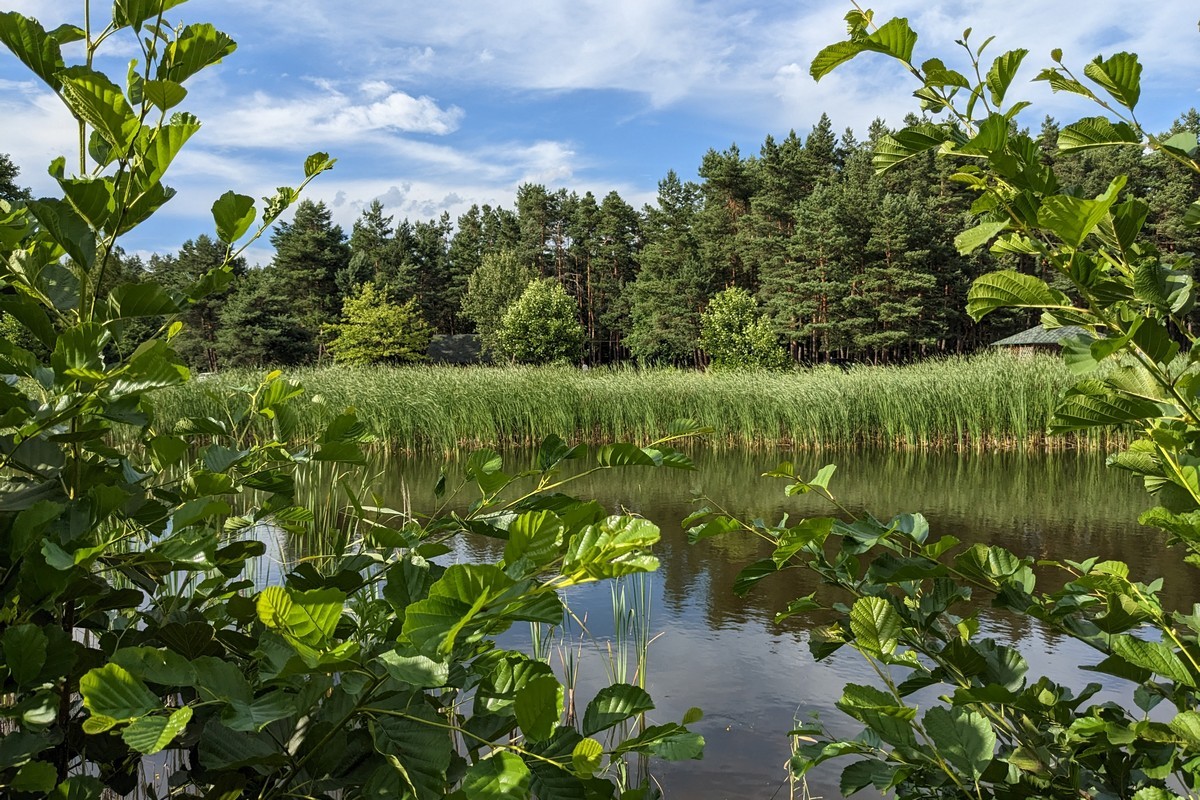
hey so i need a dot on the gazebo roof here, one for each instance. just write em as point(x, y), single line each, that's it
point(1039, 336)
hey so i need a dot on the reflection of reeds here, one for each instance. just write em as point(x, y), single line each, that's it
point(978, 402)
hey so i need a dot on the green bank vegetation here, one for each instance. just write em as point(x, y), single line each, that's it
point(984, 401)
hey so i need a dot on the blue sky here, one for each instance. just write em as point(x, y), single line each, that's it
point(435, 106)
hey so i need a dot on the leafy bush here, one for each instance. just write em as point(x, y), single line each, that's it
point(736, 336)
point(541, 326)
point(495, 285)
point(131, 622)
point(903, 594)
point(375, 330)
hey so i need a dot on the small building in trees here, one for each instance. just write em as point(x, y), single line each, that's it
point(1038, 339)
point(460, 349)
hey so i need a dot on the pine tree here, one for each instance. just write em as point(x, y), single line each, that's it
point(10, 190)
point(197, 342)
point(258, 327)
point(669, 293)
point(310, 252)
point(373, 253)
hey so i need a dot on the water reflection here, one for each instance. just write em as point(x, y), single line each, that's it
point(753, 677)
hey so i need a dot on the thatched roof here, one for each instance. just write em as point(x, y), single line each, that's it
point(1039, 336)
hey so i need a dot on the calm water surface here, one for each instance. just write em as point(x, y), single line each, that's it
point(753, 678)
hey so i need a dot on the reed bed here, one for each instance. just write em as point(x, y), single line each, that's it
point(994, 400)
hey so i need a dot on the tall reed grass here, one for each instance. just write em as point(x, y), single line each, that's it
point(983, 401)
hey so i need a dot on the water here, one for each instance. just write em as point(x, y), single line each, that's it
point(754, 678)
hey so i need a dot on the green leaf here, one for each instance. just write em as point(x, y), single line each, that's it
point(92, 97)
point(896, 148)
point(233, 214)
point(156, 665)
point(417, 748)
point(894, 38)
point(165, 95)
point(500, 776)
point(875, 625)
point(862, 774)
point(1004, 69)
point(251, 717)
point(1158, 657)
point(585, 758)
point(535, 536)
point(1096, 132)
point(1187, 725)
point(110, 691)
point(965, 739)
point(1073, 218)
point(309, 617)
point(30, 43)
point(1092, 405)
point(670, 742)
point(197, 47)
point(972, 239)
point(539, 706)
point(614, 547)
point(132, 13)
point(417, 671)
point(36, 776)
point(613, 705)
point(317, 163)
point(1167, 289)
point(133, 300)
point(69, 231)
point(24, 649)
point(149, 735)
point(752, 573)
point(1011, 289)
point(462, 593)
point(1120, 75)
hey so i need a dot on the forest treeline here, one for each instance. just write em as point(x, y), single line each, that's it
point(843, 264)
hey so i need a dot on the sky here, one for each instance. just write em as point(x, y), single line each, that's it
point(433, 107)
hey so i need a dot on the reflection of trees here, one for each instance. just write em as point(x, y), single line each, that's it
point(1046, 506)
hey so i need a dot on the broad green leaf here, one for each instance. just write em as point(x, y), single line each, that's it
point(1120, 75)
point(896, 148)
point(617, 546)
point(500, 776)
point(624, 454)
point(417, 671)
point(92, 97)
point(416, 746)
point(862, 774)
point(1000, 76)
point(535, 536)
point(132, 13)
point(1187, 725)
point(149, 735)
point(36, 776)
point(752, 573)
point(164, 95)
point(1073, 218)
point(1167, 289)
point(670, 742)
point(875, 625)
point(539, 706)
point(198, 46)
point(309, 617)
point(1092, 405)
point(894, 38)
point(131, 300)
point(24, 650)
point(1096, 132)
point(965, 739)
point(613, 705)
point(233, 214)
point(462, 593)
point(1158, 657)
point(35, 48)
point(92, 198)
point(717, 526)
point(68, 230)
point(165, 143)
point(1011, 289)
point(110, 691)
point(585, 758)
point(156, 665)
point(317, 163)
point(253, 716)
point(972, 239)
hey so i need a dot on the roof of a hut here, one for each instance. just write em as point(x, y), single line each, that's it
point(1039, 336)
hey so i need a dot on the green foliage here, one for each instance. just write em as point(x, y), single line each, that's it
point(133, 618)
point(908, 603)
point(377, 331)
point(736, 336)
point(495, 285)
point(541, 326)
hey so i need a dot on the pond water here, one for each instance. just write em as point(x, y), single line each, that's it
point(753, 678)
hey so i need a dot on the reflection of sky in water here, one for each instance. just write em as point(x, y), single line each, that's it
point(753, 678)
